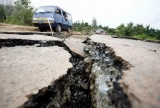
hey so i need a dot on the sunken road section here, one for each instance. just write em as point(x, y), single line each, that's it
point(91, 83)
point(105, 70)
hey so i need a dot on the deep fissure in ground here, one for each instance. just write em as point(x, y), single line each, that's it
point(105, 70)
point(91, 83)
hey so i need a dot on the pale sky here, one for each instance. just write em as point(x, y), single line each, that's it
point(109, 12)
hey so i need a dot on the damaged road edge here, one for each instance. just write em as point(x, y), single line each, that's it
point(70, 90)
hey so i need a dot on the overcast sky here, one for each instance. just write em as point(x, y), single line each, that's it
point(109, 12)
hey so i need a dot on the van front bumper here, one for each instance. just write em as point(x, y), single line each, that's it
point(42, 23)
point(39, 22)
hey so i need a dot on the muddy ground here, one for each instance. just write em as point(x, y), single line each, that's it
point(11, 27)
point(19, 29)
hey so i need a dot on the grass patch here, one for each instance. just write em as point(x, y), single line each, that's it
point(144, 37)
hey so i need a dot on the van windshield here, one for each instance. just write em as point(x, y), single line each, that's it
point(48, 9)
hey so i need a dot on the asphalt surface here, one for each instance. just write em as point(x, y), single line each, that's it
point(26, 69)
point(28, 37)
point(75, 44)
point(142, 81)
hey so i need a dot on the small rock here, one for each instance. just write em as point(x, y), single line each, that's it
point(84, 85)
point(103, 90)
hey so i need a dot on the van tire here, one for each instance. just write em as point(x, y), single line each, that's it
point(41, 29)
point(69, 30)
point(58, 28)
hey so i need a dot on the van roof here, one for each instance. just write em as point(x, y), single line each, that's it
point(56, 7)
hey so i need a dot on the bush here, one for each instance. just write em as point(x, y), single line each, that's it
point(2, 14)
point(20, 13)
point(144, 37)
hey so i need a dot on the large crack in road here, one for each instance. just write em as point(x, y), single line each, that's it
point(105, 70)
point(92, 82)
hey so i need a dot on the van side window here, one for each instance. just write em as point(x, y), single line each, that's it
point(58, 11)
point(69, 17)
point(65, 16)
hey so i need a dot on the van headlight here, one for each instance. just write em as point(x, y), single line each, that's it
point(50, 19)
point(34, 18)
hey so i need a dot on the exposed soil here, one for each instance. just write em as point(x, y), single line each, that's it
point(11, 27)
point(30, 30)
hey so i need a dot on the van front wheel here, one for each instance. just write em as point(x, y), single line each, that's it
point(41, 29)
point(58, 28)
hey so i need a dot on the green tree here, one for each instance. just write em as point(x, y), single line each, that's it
point(86, 24)
point(157, 34)
point(147, 29)
point(120, 30)
point(22, 13)
point(139, 29)
point(106, 28)
point(94, 23)
point(81, 26)
point(7, 6)
point(2, 14)
point(128, 31)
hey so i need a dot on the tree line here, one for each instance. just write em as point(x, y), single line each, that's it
point(16, 12)
point(137, 31)
point(130, 30)
point(86, 27)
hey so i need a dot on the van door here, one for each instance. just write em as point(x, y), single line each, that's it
point(69, 20)
point(58, 18)
point(65, 21)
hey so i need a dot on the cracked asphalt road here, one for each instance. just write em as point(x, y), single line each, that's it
point(26, 69)
point(142, 81)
